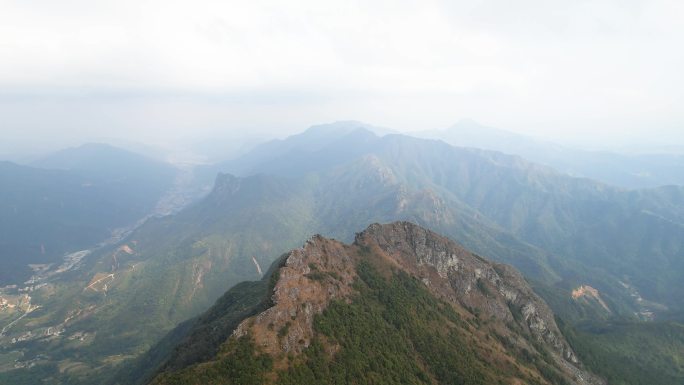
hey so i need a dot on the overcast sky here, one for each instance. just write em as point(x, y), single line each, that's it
point(578, 71)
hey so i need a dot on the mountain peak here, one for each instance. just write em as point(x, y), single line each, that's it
point(102, 158)
point(346, 126)
point(311, 277)
point(397, 283)
point(468, 122)
point(453, 272)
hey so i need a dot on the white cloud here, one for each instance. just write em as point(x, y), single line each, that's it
point(554, 68)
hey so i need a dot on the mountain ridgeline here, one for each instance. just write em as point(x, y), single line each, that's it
point(71, 201)
point(399, 305)
point(606, 260)
point(625, 170)
point(609, 236)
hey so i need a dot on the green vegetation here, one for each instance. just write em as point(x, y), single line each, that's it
point(284, 330)
point(72, 203)
point(321, 275)
point(631, 353)
point(392, 332)
point(181, 267)
point(559, 231)
point(35, 375)
point(240, 365)
point(201, 338)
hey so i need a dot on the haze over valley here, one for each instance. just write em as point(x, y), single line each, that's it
point(338, 193)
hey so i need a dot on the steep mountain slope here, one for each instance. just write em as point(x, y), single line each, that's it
point(630, 171)
point(577, 220)
point(605, 235)
point(137, 177)
point(330, 144)
point(90, 192)
point(399, 305)
point(630, 352)
point(123, 298)
point(561, 232)
point(172, 268)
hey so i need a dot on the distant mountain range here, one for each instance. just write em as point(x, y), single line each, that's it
point(629, 171)
point(70, 201)
point(561, 232)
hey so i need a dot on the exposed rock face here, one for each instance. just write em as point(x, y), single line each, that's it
point(312, 276)
point(588, 292)
point(462, 277)
point(324, 270)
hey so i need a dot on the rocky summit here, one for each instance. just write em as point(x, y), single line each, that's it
point(400, 305)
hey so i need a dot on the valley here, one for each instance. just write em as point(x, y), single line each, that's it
point(343, 193)
point(46, 284)
point(104, 307)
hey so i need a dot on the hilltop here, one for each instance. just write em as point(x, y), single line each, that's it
point(400, 304)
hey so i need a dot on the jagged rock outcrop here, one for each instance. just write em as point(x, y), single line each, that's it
point(312, 276)
point(512, 331)
point(452, 272)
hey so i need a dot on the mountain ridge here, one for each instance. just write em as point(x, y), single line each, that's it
point(326, 273)
point(494, 204)
point(626, 170)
